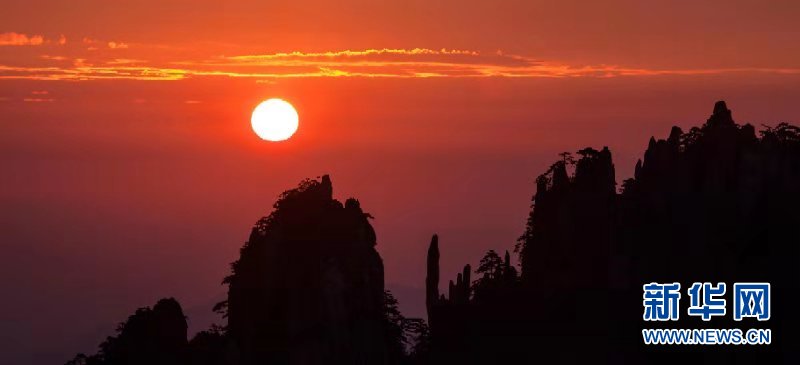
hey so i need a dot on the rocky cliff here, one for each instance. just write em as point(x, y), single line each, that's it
point(715, 204)
point(308, 286)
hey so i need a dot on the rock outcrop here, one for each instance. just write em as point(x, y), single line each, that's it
point(714, 204)
point(308, 287)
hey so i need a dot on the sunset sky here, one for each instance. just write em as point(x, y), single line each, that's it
point(131, 171)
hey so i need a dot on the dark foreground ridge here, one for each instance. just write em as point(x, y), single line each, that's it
point(716, 204)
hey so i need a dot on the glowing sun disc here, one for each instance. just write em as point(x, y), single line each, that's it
point(274, 120)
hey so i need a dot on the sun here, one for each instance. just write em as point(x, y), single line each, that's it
point(274, 120)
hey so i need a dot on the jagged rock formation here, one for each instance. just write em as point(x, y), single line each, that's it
point(720, 204)
point(432, 275)
point(307, 289)
point(154, 336)
point(714, 204)
point(569, 213)
point(308, 286)
point(472, 313)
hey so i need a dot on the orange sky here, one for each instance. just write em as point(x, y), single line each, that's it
point(127, 148)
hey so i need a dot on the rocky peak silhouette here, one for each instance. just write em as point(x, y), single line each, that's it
point(713, 204)
point(432, 274)
point(308, 286)
point(307, 289)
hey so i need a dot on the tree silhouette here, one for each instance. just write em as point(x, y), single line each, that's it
point(490, 266)
point(209, 347)
point(149, 336)
point(395, 322)
point(407, 339)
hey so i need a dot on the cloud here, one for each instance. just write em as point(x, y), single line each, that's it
point(362, 53)
point(84, 72)
point(422, 63)
point(369, 63)
point(18, 39)
point(38, 96)
point(80, 62)
point(53, 58)
point(124, 61)
point(117, 45)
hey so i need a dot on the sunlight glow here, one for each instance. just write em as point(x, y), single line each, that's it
point(274, 120)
